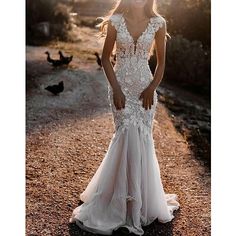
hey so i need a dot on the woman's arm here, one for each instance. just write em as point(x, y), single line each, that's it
point(160, 46)
point(118, 96)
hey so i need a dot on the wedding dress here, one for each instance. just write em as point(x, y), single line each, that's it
point(126, 189)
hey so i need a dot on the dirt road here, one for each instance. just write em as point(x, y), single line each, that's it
point(67, 138)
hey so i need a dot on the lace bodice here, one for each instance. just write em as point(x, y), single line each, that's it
point(133, 73)
point(125, 45)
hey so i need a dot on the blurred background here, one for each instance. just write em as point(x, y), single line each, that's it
point(188, 21)
point(69, 25)
point(69, 120)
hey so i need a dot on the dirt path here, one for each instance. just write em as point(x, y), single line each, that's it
point(67, 138)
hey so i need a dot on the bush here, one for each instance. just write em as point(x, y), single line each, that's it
point(188, 63)
point(192, 19)
point(46, 20)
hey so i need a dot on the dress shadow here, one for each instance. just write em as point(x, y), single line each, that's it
point(154, 229)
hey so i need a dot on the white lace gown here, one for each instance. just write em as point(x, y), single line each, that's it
point(126, 189)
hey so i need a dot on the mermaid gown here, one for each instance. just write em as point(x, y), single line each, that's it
point(126, 189)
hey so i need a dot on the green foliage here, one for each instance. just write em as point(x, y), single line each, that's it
point(53, 12)
point(188, 63)
point(190, 18)
point(188, 51)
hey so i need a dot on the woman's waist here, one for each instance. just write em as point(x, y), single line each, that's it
point(130, 61)
point(131, 88)
point(126, 67)
point(135, 74)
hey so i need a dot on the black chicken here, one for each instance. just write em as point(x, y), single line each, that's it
point(54, 63)
point(56, 88)
point(99, 62)
point(65, 60)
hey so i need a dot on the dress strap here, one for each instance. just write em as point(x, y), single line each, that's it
point(115, 20)
point(158, 22)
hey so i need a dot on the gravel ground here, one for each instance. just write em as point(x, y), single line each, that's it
point(62, 158)
point(67, 137)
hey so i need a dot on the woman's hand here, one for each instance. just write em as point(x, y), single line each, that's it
point(147, 96)
point(118, 98)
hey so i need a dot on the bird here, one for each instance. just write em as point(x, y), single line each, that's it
point(65, 60)
point(99, 62)
point(56, 88)
point(55, 63)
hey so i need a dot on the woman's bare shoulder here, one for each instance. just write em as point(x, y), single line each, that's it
point(115, 19)
point(115, 16)
point(160, 18)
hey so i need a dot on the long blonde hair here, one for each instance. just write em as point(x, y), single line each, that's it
point(122, 6)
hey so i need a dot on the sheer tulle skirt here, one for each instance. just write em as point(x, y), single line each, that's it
point(126, 189)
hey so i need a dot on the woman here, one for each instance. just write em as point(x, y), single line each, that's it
point(126, 190)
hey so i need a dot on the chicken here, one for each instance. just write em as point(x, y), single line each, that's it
point(56, 88)
point(99, 62)
point(54, 63)
point(65, 60)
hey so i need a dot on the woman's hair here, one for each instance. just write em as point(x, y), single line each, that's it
point(122, 6)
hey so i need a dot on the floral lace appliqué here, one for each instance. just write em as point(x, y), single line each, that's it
point(133, 74)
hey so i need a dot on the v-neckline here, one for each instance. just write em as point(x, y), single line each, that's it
point(135, 42)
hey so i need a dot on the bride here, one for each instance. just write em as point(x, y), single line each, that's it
point(126, 191)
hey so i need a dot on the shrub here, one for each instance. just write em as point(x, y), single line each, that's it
point(53, 14)
point(187, 64)
point(192, 19)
